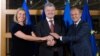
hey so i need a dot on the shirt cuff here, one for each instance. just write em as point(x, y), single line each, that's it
point(60, 38)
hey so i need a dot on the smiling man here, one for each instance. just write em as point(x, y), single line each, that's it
point(77, 36)
point(47, 26)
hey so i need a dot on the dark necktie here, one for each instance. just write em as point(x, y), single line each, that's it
point(51, 25)
point(75, 25)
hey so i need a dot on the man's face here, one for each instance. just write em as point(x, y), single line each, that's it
point(50, 11)
point(75, 14)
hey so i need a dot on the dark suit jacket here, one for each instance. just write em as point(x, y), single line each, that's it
point(42, 29)
point(78, 37)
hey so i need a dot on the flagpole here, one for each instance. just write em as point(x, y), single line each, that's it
point(25, 1)
point(87, 1)
point(68, 1)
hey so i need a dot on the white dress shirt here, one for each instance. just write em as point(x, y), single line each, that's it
point(77, 22)
point(48, 20)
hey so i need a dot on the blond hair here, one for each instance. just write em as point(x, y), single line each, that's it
point(15, 15)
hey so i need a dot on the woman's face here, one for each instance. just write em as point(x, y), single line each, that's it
point(21, 16)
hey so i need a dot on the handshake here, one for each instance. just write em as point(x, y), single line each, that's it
point(50, 39)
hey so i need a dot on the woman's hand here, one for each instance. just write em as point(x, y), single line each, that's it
point(33, 34)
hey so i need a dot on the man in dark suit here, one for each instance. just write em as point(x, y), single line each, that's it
point(44, 28)
point(78, 35)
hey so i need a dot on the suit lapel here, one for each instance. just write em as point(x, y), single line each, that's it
point(46, 26)
point(79, 25)
point(56, 26)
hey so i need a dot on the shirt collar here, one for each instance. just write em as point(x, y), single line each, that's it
point(77, 22)
point(49, 19)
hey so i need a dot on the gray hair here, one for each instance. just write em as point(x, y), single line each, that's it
point(49, 4)
point(76, 7)
point(15, 15)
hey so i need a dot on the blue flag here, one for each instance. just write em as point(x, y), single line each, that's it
point(67, 17)
point(43, 16)
point(86, 17)
point(25, 7)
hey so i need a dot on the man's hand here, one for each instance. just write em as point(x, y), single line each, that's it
point(51, 43)
point(55, 35)
point(47, 38)
point(50, 38)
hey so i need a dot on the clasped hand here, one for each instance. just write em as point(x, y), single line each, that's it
point(50, 39)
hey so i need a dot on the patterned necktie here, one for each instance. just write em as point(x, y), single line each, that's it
point(51, 25)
